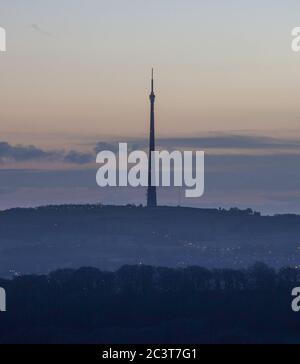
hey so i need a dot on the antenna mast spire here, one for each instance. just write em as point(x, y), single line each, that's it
point(152, 81)
point(151, 193)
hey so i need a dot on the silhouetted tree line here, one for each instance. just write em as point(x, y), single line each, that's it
point(152, 304)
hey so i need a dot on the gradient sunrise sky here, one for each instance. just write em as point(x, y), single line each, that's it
point(75, 67)
point(78, 72)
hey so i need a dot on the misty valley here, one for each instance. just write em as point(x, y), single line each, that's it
point(40, 240)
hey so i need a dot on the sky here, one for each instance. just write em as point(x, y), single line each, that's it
point(78, 73)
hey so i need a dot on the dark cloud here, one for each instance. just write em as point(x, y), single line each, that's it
point(136, 144)
point(214, 141)
point(231, 142)
point(21, 153)
point(78, 158)
point(101, 146)
point(24, 153)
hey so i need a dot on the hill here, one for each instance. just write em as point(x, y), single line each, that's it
point(39, 240)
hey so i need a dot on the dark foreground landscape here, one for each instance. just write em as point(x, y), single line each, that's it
point(162, 275)
point(144, 304)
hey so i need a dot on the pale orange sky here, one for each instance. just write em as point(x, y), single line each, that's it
point(84, 70)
